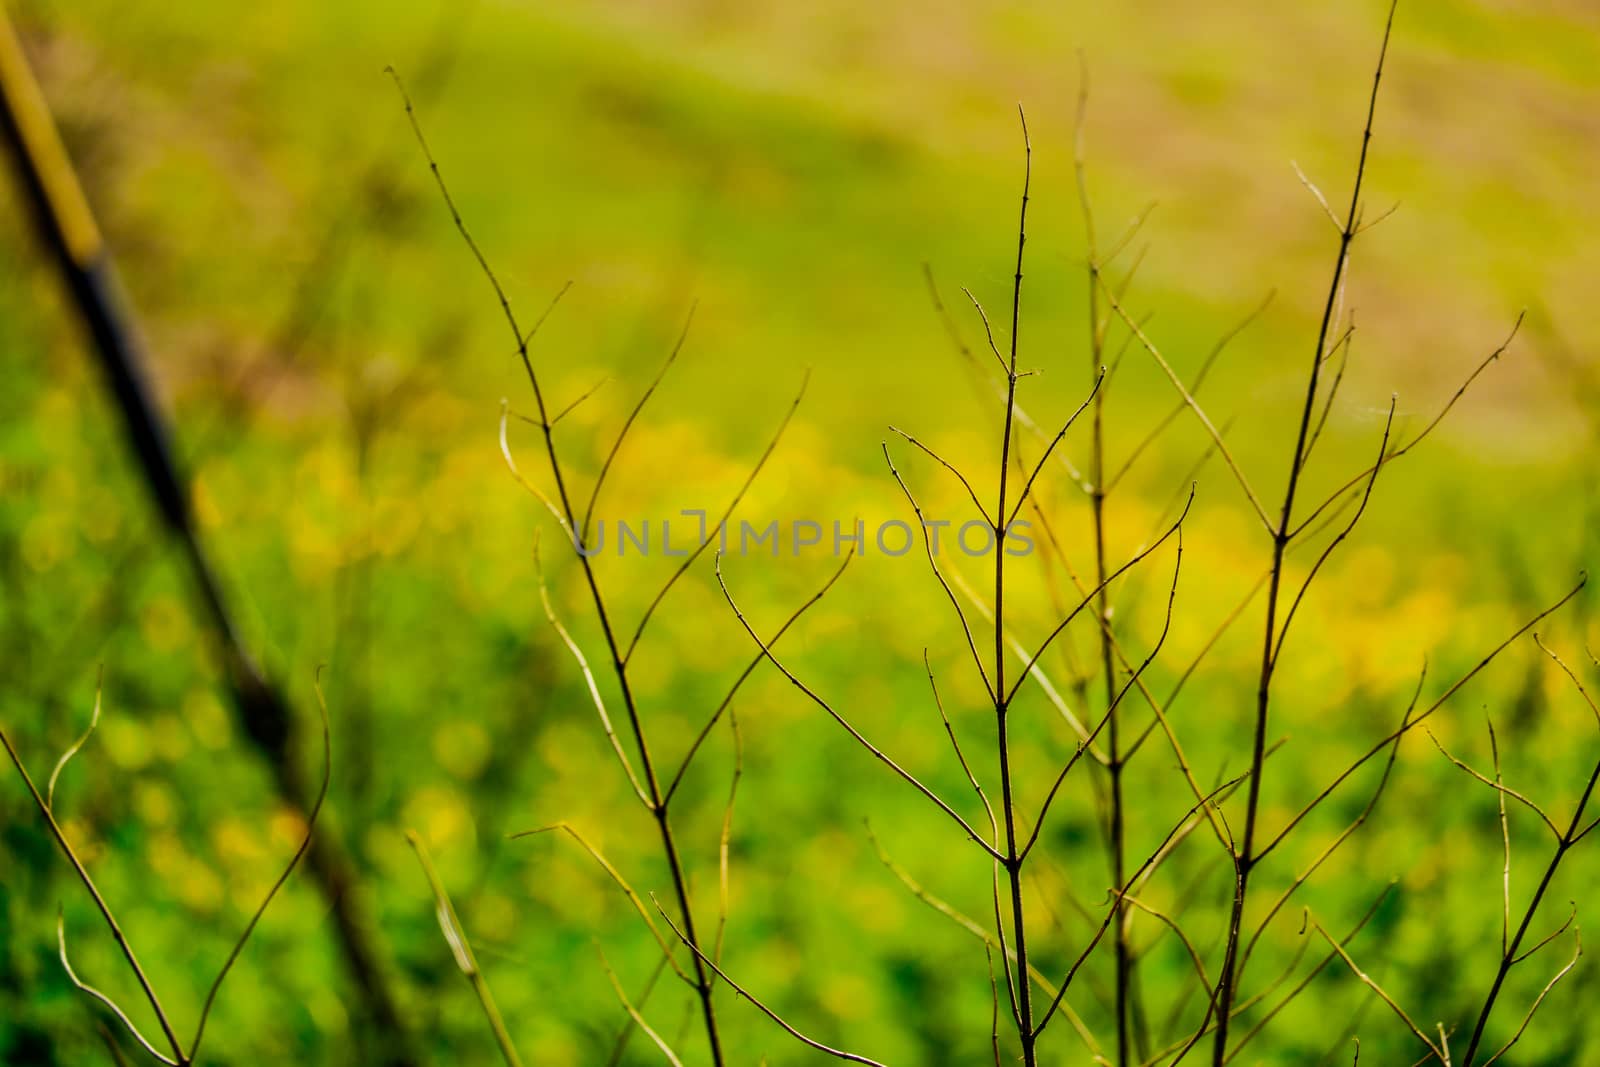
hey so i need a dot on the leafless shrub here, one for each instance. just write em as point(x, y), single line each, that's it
point(1126, 712)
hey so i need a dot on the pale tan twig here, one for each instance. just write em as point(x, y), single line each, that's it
point(1194, 406)
point(455, 936)
point(633, 1012)
point(589, 681)
point(1370, 983)
point(620, 882)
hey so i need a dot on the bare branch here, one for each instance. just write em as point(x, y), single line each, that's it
point(974, 928)
point(1036, 672)
point(1455, 687)
point(1337, 225)
point(1190, 402)
point(1566, 924)
point(72, 750)
point(294, 860)
point(927, 545)
point(538, 494)
point(1568, 671)
point(1208, 1025)
point(727, 835)
point(988, 331)
point(105, 912)
point(1119, 892)
point(1505, 840)
point(715, 533)
point(1576, 953)
point(768, 1012)
point(947, 465)
point(620, 882)
point(1341, 348)
point(1418, 439)
point(633, 1012)
point(1111, 710)
point(1113, 576)
point(1194, 389)
point(1051, 447)
point(705, 731)
point(1188, 945)
point(589, 680)
point(585, 395)
point(1343, 836)
point(876, 752)
point(115, 1008)
point(1437, 1050)
point(1495, 784)
point(994, 826)
point(627, 424)
point(1294, 606)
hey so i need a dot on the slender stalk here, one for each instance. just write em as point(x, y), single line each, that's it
point(655, 800)
point(656, 804)
point(1245, 860)
point(461, 948)
point(1115, 761)
point(1002, 701)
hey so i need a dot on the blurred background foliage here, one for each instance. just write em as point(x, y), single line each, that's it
point(334, 366)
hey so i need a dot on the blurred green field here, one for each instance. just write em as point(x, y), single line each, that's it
point(334, 367)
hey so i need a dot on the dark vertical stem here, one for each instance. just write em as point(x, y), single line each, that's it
point(658, 806)
point(1013, 861)
point(1117, 830)
point(1114, 758)
point(1245, 859)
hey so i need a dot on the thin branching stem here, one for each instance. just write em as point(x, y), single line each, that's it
point(1113, 703)
point(627, 424)
point(877, 753)
point(1272, 636)
point(1356, 479)
point(1564, 844)
point(715, 533)
point(1200, 376)
point(760, 1006)
point(1091, 594)
point(933, 564)
point(1118, 892)
point(180, 1056)
point(616, 877)
point(1116, 828)
point(1416, 720)
point(738, 683)
point(1012, 860)
point(568, 514)
point(634, 1013)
